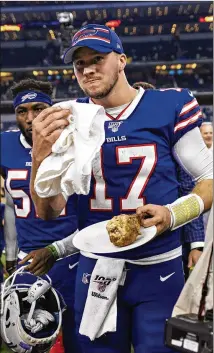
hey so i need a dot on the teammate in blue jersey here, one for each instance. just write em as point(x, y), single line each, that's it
point(147, 133)
point(31, 232)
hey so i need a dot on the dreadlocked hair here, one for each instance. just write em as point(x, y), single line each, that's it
point(31, 85)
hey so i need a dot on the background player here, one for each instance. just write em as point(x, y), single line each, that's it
point(207, 134)
point(30, 98)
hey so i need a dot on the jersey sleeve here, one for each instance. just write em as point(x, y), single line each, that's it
point(188, 114)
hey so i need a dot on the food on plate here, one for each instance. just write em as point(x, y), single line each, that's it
point(123, 229)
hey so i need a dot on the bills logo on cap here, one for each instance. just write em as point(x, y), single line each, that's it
point(83, 34)
point(28, 96)
point(95, 33)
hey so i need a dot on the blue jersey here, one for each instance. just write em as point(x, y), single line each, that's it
point(136, 165)
point(32, 232)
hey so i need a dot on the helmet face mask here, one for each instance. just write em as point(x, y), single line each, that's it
point(31, 315)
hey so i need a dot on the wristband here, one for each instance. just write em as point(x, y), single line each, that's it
point(11, 268)
point(53, 251)
point(184, 210)
point(59, 246)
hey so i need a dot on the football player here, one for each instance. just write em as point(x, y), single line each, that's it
point(147, 133)
point(30, 97)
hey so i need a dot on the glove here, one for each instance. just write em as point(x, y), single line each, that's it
point(40, 319)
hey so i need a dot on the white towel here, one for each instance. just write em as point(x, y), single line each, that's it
point(68, 168)
point(100, 312)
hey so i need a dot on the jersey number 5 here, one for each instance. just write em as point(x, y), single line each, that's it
point(134, 198)
point(26, 202)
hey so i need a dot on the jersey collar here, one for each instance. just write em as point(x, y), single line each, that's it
point(125, 113)
point(24, 142)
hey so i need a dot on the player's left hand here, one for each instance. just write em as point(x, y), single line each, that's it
point(154, 215)
point(42, 261)
point(193, 257)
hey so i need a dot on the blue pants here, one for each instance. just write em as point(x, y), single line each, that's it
point(63, 277)
point(144, 303)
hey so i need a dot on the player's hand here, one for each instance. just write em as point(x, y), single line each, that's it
point(154, 215)
point(11, 266)
point(193, 257)
point(46, 128)
point(42, 261)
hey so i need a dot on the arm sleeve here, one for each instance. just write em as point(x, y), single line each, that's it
point(193, 156)
point(10, 235)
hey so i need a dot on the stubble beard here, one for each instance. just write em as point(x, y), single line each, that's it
point(105, 92)
point(28, 137)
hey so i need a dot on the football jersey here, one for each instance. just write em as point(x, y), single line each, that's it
point(136, 166)
point(32, 232)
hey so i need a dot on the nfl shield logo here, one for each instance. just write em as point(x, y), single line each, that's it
point(114, 125)
point(102, 287)
point(85, 279)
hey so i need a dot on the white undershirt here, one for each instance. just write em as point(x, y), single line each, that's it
point(114, 112)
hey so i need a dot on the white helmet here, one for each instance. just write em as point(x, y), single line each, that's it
point(31, 315)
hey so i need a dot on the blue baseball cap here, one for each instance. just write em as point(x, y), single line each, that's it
point(98, 37)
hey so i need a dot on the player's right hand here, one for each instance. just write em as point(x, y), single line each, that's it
point(42, 261)
point(154, 215)
point(46, 128)
point(193, 257)
point(11, 266)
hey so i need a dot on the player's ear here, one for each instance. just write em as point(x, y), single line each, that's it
point(123, 60)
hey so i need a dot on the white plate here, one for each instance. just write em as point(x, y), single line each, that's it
point(95, 239)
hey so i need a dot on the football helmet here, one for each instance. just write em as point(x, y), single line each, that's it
point(31, 314)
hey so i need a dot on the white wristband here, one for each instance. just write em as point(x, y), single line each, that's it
point(59, 248)
point(65, 246)
point(185, 209)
